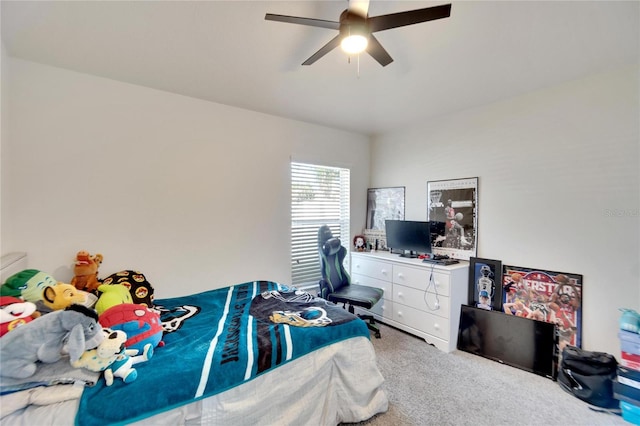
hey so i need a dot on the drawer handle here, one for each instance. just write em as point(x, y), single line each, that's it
point(436, 326)
point(383, 272)
point(399, 313)
point(400, 294)
point(400, 275)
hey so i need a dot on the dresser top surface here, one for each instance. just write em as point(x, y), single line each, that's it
point(392, 257)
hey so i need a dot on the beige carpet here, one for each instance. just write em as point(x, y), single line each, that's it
point(428, 387)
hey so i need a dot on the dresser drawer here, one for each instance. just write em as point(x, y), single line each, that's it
point(412, 277)
point(418, 299)
point(384, 308)
point(373, 282)
point(418, 278)
point(422, 321)
point(371, 268)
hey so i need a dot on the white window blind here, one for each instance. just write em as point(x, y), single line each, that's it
point(319, 196)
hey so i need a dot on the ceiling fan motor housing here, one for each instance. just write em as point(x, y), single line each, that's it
point(353, 24)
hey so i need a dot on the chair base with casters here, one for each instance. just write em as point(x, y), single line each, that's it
point(361, 296)
point(335, 285)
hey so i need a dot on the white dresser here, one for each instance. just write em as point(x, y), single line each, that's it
point(420, 298)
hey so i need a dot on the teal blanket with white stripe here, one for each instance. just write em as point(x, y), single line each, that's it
point(217, 340)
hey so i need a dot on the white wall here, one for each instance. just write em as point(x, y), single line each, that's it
point(559, 187)
point(4, 125)
point(193, 194)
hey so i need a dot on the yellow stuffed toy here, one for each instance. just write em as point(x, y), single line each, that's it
point(86, 271)
point(61, 295)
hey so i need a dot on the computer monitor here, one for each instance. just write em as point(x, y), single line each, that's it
point(411, 238)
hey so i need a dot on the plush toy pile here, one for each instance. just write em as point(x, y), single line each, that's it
point(100, 325)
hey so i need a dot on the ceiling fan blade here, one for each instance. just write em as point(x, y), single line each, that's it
point(375, 49)
point(401, 19)
point(359, 7)
point(303, 21)
point(323, 50)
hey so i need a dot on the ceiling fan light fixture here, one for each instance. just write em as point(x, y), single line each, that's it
point(356, 28)
point(354, 44)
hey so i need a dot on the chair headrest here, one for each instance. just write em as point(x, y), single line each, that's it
point(331, 246)
point(324, 234)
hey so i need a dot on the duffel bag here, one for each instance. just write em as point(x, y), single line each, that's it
point(589, 376)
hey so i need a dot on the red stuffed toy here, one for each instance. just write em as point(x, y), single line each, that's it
point(15, 312)
point(142, 325)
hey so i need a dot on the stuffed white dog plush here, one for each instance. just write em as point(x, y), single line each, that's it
point(112, 357)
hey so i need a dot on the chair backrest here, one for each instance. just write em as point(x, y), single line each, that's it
point(332, 254)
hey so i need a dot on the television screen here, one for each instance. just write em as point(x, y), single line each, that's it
point(410, 237)
point(519, 342)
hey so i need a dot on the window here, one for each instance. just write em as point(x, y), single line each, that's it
point(319, 196)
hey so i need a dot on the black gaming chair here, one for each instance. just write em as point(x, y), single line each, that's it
point(335, 285)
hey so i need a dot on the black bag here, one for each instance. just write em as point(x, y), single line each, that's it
point(589, 376)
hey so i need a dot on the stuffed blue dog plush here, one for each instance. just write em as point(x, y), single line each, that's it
point(74, 329)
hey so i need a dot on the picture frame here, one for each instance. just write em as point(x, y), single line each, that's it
point(452, 207)
point(383, 204)
point(485, 283)
point(544, 295)
point(376, 239)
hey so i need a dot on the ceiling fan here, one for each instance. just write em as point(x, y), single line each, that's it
point(356, 28)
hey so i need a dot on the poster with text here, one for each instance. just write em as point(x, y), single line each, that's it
point(452, 209)
point(554, 297)
point(384, 204)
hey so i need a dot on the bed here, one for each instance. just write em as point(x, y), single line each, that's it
point(253, 353)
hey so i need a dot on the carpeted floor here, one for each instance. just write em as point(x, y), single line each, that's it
point(428, 387)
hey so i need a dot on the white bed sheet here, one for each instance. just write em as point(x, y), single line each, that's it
point(335, 384)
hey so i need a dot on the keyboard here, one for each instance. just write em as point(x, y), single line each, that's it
point(441, 261)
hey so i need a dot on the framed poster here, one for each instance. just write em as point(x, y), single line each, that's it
point(452, 207)
point(383, 204)
point(485, 283)
point(549, 296)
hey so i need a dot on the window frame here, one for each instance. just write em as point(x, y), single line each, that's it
point(320, 195)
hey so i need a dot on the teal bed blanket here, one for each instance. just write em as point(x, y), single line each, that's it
point(217, 340)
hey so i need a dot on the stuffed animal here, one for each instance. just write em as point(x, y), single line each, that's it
point(74, 329)
point(112, 357)
point(141, 324)
point(28, 285)
point(15, 312)
point(112, 295)
point(140, 289)
point(86, 271)
point(56, 297)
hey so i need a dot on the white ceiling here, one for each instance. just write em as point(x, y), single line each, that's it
point(225, 51)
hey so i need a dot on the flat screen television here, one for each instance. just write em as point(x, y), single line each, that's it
point(524, 343)
point(409, 238)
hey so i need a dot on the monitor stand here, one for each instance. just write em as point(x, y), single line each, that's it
point(410, 254)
